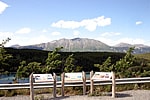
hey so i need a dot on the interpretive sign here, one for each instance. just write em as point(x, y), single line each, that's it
point(102, 76)
point(43, 77)
point(73, 76)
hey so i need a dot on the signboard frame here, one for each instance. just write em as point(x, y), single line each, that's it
point(77, 76)
point(43, 78)
point(102, 76)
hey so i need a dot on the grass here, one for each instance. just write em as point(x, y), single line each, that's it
point(98, 90)
point(143, 56)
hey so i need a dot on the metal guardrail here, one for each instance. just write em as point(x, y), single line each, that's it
point(75, 83)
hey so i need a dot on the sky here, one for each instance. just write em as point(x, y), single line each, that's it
point(28, 22)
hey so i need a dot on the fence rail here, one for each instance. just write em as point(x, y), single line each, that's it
point(75, 83)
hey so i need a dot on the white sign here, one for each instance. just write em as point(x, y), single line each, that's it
point(73, 76)
point(102, 76)
point(43, 77)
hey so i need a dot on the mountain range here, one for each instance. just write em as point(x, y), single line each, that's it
point(85, 45)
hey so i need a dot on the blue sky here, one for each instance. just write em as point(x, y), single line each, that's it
point(29, 22)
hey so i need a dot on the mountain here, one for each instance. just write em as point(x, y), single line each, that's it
point(130, 45)
point(123, 45)
point(71, 45)
point(139, 48)
point(84, 45)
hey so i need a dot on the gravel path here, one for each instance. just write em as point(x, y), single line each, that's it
point(125, 95)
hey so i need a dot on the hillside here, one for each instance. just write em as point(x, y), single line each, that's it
point(144, 56)
point(85, 45)
point(84, 59)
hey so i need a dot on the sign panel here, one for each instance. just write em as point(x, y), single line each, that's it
point(43, 77)
point(102, 76)
point(73, 76)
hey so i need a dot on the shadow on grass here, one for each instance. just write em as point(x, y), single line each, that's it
point(121, 95)
point(57, 98)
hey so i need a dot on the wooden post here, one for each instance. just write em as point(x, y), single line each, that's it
point(54, 87)
point(92, 83)
point(113, 84)
point(31, 87)
point(62, 83)
point(84, 82)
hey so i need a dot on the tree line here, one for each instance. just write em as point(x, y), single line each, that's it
point(26, 61)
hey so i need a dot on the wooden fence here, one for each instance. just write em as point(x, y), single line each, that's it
point(57, 84)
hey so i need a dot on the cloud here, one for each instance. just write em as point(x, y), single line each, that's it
point(131, 40)
point(23, 41)
point(89, 24)
point(113, 42)
point(5, 35)
point(2, 34)
point(3, 6)
point(110, 34)
point(55, 33)
point(76, 33)
point(38, 40)
point(138, 22)
point(44, 30)
point(107, 41)
point(23, 31)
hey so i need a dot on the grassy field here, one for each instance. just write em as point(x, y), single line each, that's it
point(144, 56)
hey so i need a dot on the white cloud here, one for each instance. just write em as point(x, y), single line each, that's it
point(23, 31)
point(44, 30)
point(110, 34)
point(107, 41)
point(131, 40)
point(138, 22)
point(55, 33)
point(112, 42)
point(3, 6)
point(66, 24)
point(5, 35)
point(89, 24)
point(38, 40)
point(76, 33)
point(23, 41)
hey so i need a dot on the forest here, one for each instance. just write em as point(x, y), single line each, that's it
point(26, 61)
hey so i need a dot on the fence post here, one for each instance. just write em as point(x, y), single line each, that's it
point(84, 82)
point(62, 83)
point(54, 87)
point(113, 84)
point(92, 83)
point(31, 87)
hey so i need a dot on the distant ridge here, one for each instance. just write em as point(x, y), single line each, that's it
point(130, 45)
point(84, 45)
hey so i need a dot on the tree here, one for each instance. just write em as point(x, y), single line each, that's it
point(25, 69)
point(53, 61)
point(106, 66)
point(3, 56)
point(69, 64)
point(121, 67)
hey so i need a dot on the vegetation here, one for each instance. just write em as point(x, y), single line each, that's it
point(25, 69)
point(69, 64)
point(83, 61)
point(26, 61)
point(4, 57)
point(98, 90)
point(128, 66)
point(125, 64)
point(53, 61)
